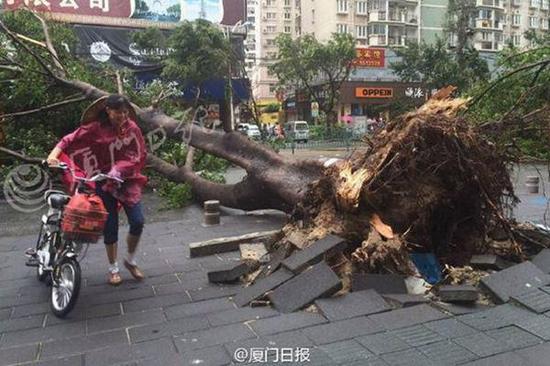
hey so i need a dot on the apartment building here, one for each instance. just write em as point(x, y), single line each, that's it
point(522, 16)
point(272, 18)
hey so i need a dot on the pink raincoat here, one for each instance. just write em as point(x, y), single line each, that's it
point(98, 147)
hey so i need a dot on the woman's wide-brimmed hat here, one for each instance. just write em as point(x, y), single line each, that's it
point(92, 112)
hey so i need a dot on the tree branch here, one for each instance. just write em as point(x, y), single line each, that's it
point(120, 86)
point(49, 44)
point(44, 108)
point(21, 156)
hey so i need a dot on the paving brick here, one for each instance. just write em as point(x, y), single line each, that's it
point(79, 345)
point(342, 330)
point(381, 343)
point(260, 287)
point(33, 321)
point(211, 337)
point(409, 357)
point(35, 335)
point(213, 292)
point(125, 320)
point(503, 359)
point(514, 337)
point(536, 355)
point(382, 283)
point(32, 309)
point(162, 330)
point(240, 315)
point(515, 280)
point(352, 305)
point(460, 293)
point(488, 261)
point(211, 356)
point(539, 326)
point(368, 362)
point(406, 317)
point(542, 260)
point(229, 272)
point(77, 360)
point(155, 302)
point(286, 322)
point(497, 317)
point(405, 300)
point(461, 309)
point(450, 328)
point(287, 339)
point(120, 296)
point(481, 344)
point(417, 335)
point(345, 352)
point(535, 300)
point(96, 311)
point(227, 244)
point(16, 355)
point(313, 254)
point(158, 350)
point(195, 308)
point(5, 314)
point(318, 281)
point(447, 353)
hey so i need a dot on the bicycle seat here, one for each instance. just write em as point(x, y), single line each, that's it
point(57, 199)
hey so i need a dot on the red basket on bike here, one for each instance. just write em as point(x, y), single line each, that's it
point(84, 218)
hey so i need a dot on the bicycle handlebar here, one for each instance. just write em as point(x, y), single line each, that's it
point(96, 178)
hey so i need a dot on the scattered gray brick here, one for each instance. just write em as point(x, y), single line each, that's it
point(406, 317)
point(515, 280)
point(497, 317)
point(318, 281)
point(260, 287)
point(542, 260)
point(342, 330)
point(536, 355)
point(538, 325)
point(381, 343)
point(17, 355)
point(514, 337)
point(447, 353)
point(345, 352)
point(126, 320)
point(461, 309)
point(240, 315)
point(79, 345)
point(352, 305)
point(227, 244)
point(535, 300)
point(417, 335)
point(382, 283)
point(161, 330)
point(229, 272)
point(450, 328)
point(488, 262)
point(405, 300)
point(213, 292)
point(481, 344)
point(212, 337)
point(195, 308)
point(286, 322)
point(460, 293)
point(300, 260)
point(409, 357)
point(155, 302)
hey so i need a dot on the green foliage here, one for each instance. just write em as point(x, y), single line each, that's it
point(176, 195)
point(435, 67)
point(321, 132)
point(271, 108)
point(318, 68)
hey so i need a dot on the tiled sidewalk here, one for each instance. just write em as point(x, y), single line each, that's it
point(175, 317)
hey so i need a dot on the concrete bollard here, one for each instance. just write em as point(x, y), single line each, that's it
point(211, 213)
point(532, 184)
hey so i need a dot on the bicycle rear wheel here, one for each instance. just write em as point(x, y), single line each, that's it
point(65, 287)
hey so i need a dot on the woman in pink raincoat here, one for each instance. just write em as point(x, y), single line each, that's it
point(109, 141)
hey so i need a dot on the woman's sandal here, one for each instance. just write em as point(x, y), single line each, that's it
point(134, 271)
point(114, 279)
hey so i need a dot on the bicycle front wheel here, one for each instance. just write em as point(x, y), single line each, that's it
point(65, 287)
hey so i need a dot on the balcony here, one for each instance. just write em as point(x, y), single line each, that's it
point(387, 17)
point(494, 4)
point(382, 40)
point(489, 24)
point(412, 21)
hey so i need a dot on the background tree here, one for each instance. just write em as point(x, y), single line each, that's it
point(319, 69)
point(458, 28)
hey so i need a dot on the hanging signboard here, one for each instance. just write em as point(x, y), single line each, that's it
point(374, 92)
point(369, 57)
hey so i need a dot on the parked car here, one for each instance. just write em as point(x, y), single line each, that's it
point(250, 130)
point(297, 130)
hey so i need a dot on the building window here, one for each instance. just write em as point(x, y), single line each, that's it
point(270, 2)
point(544, 23)
point(269, 42)
point(485, 14)
point(517, 2)
point(486, 36)
point(342, 6)
point(362, 7)
point(287, 2)
point(516, 39)
point(287, 29)
point(271, 15)
point(533, 22)
point(516, 19)
point(287, 16)
point(361, 31)
point(377, 29)
point(341, 28)
point(271, 29)
point(272, 88)
point(534, 3)
point(375, 5)
point(545, 4)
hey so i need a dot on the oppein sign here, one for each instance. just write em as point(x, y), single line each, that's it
point(374, 92)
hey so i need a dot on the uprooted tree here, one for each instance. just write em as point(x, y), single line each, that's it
point(429, 181)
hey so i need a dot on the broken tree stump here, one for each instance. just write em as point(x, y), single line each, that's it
point(211, 213)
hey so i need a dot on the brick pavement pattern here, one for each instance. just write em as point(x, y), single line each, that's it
point(176, 317)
